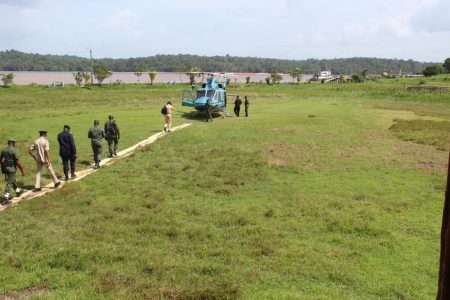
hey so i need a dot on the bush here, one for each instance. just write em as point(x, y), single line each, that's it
point(432, 70)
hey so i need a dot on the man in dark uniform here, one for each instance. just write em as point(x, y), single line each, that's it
point(246, 103)
point(10, 161)
point(67, 151)
point(237, 106)
point(96, 134)
point(208, 110)
point(112, 135)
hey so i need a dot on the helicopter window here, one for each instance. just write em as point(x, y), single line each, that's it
point(200, 94)
point(209, 94)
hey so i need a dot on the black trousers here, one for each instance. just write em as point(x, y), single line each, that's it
point(66, 160)
point(237, 110)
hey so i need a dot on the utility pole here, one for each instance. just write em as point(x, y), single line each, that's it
point(92, 68)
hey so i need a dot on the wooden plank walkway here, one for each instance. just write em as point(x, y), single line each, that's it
point(28, 195)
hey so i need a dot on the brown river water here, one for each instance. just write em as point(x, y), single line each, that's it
point(47, 78)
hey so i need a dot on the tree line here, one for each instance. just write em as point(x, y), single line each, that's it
point(13, 60)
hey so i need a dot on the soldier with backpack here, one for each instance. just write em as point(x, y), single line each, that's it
point(10, 162)
point(167, 112)
point(96, 134)
point(112, 133)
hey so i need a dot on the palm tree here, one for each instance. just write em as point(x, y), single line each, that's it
point(138, 72)
point(193, 72)
point(152, 75)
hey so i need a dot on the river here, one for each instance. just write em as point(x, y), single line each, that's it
point(46, 78)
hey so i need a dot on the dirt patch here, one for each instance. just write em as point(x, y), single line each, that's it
point(287, 131)
point(419, 157)
point(26, 293)
point(284, 154)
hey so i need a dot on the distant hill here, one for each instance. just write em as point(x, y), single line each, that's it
point(12, 60)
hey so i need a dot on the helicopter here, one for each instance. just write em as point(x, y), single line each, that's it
point(211, 90)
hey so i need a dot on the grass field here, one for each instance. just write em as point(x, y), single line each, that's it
point(324, 192)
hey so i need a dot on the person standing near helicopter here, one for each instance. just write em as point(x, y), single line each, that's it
point(237, 106)
point(167, 112)
point(208, 110)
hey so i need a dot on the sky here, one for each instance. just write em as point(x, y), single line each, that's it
point(284, 29)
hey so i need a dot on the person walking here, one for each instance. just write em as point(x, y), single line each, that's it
point(208, 110)
point(112, 135)
point(96, 134)
point(246, 103)
point(167, 112)
point(42, 158)
point(10, 161)
point(67, 151)
point(237, 106)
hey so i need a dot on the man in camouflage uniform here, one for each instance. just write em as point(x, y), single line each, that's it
point(96, 134)
point(10, 161)
point(112, 135)
point(208, 110)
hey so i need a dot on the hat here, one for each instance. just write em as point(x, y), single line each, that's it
point(11, 139)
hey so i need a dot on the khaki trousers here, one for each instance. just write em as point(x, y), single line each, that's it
point(39, 166)
point(168, 121)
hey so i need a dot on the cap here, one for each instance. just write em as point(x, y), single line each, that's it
point(11, 139)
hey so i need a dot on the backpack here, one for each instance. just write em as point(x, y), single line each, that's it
point(164, 110)
point(110, 128)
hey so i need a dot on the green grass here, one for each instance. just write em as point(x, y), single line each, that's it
point(312, 197)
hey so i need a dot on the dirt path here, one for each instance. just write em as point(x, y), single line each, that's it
point(28, 195)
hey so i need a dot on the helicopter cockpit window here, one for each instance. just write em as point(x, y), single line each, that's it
point(201, 93)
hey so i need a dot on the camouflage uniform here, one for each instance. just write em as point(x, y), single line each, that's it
point(96, 134)
point(112, 135)
point(9, 158)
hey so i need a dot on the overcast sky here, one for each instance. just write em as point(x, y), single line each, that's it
point(286, 29)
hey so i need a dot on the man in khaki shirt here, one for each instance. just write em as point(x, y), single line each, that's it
point(42, 158)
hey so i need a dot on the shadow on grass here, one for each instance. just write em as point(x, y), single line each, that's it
point(199, 116)
point(85, 163)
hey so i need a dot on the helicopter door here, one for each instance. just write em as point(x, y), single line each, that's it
point(187, 95)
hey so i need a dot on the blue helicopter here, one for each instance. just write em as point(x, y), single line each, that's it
point(212, 90)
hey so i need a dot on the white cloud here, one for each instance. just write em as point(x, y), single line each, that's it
point(120, 18)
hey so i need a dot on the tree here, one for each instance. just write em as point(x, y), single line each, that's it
point(101, 73)
point(364, 74)
point(356, 78)
point(152, 75)
point(446, 65)
point(342, 79)
point(275, 77)
point(267, 79)
point(78, 76)
point(432, 70)
point(138, 72)
point(87, 78)
point(295, 74)
point(7, 78)
point(247, 79)
point(193, 72)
